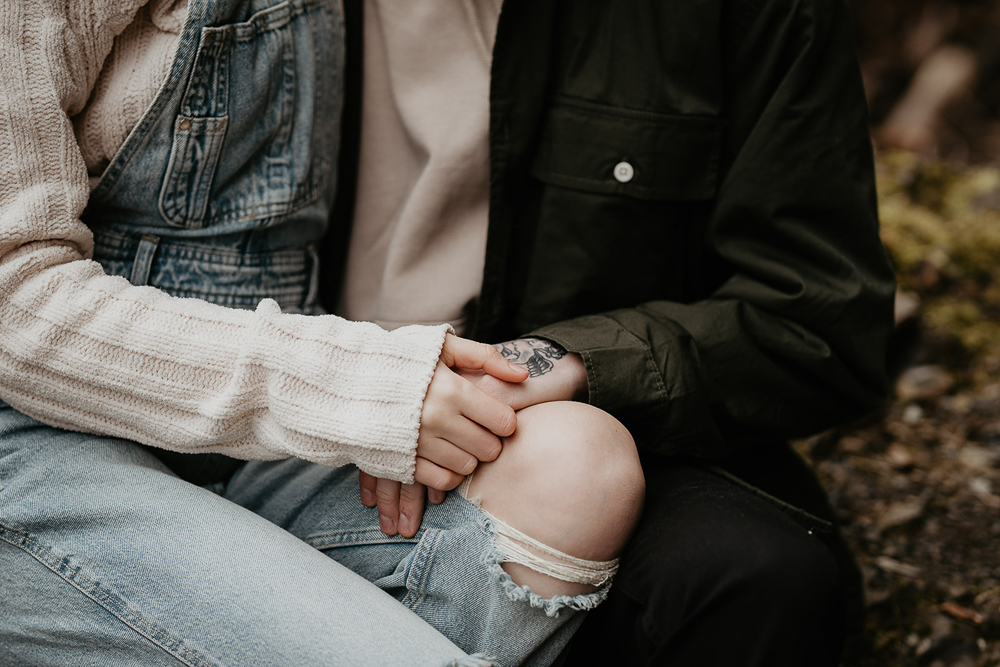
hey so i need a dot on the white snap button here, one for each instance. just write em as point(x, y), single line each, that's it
point(624, 172)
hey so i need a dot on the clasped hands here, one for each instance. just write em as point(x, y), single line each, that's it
point(470, 405)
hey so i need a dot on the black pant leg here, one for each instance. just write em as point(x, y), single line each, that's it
point(715, 575)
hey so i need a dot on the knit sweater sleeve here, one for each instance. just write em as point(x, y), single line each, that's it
point(90, 352)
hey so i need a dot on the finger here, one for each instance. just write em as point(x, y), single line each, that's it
point(411, 508)
point(450, 397)
point(436, 477)
point(497, 366)
point(367, 483)
point(387, 498)
point(474, 444)
point(487, 411)
point(435, 496)
point(465, 353)
point(516, 395)
point(445, 454)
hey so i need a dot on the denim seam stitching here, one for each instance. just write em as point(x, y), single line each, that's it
point(337, 538)
point(179, 250)
point(258, 24)
point(106, 600)
point(290, 292)
point(302, 196)
point(420, 569)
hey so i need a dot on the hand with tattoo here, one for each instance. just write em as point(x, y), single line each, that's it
point(534, 354)
point(553, 374)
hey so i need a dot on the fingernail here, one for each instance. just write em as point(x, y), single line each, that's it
point(387, 525)
point(404, 524)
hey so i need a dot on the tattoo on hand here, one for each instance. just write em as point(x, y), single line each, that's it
point(534, 354)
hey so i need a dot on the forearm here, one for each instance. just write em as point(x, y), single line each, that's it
point(89, 352)
point(699, 379)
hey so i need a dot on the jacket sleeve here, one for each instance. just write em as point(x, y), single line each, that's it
point(794, 340)
point(90, 352)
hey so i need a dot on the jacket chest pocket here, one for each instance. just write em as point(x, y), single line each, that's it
point(623, 199)
point(641, 155)
point(254, 137)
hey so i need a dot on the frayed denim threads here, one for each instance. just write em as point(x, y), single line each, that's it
point(493, 558)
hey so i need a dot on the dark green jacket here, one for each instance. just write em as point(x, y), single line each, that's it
point(735, 288)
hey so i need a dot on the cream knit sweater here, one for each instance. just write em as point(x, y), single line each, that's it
point(90, 352)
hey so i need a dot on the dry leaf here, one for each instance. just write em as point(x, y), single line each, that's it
point(961, 613)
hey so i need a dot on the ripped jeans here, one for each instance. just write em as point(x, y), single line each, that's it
point(108, 558)
point(449, 573)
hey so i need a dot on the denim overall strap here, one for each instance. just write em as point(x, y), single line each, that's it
point(223, 189)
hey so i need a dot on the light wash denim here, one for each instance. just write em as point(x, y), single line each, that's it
point(224, 188)
point(107, 557)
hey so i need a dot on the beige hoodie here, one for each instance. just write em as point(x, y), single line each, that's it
point(419, 241)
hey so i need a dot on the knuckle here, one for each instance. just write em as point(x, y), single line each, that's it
point(428, 447)
point(506, 422)
point(386, 494)
point(494, 449)
point(460, 389)
point(447, 480)
point(411, 494)
point(429, 414)
point(448, 388)
point(468, 467)
point(434, 411)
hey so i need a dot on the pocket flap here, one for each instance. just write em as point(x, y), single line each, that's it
point(638, 154)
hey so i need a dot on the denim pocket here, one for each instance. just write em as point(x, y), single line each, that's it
point(254, 136)
point(195, 152)
point(382, 563)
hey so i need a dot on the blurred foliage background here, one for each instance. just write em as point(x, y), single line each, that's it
point(917, 485)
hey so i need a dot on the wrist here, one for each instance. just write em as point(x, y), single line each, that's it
point(555, 373)
point(578, 369)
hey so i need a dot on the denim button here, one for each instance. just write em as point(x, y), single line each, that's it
point(624, 172)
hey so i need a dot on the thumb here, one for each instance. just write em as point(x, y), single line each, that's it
point(468, 354)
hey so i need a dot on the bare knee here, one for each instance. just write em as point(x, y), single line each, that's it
point(570, 478)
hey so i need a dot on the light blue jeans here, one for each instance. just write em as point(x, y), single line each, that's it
point(108, 558)
point(222, 192)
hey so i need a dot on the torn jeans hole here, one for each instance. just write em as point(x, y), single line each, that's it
point(510, 546)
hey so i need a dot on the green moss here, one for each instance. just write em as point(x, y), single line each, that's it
point(941, 226)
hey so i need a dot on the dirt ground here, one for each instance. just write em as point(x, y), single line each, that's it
point(916, 491)
point(917, 485)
